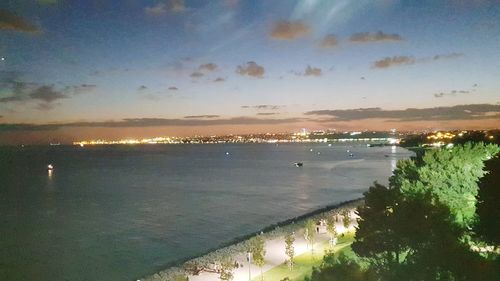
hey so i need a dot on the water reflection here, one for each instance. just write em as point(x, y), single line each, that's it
point(303, 184)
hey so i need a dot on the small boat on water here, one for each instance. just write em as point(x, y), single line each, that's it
point(50, 167)
point(298, 164)
point(351, 155)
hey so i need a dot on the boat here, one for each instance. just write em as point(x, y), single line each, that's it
point(298, 164)
point(50, 167)
point(351, 155)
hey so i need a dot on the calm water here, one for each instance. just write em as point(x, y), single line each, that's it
point(118, 213)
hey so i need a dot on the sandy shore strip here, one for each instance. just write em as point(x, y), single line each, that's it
point(274, 246)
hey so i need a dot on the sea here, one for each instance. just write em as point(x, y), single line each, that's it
point(124, 212)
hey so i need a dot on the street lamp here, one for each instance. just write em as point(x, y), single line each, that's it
point(249, 263)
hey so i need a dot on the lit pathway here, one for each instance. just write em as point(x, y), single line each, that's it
point(275, 256)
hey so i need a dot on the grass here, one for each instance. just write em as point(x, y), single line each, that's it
point(304, 262)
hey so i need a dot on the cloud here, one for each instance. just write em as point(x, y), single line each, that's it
point(11, 99)
point(394, 61)
point(201, 116)
point(47, 94)
point(209, 67)
point(151, 122)
point(165, 7)
point(251, 69)
point(447, 56)
point(312, 71)
point(12, 22)
point(81, 89)
point(173, 88)
point(45, 106)
point(409, 60)
point(452, 93)
point(196, 74)
point(367, 37)
point(267, 113)
point(263, 106)
point(219, 79)
point(289, 30)
point(458, 112)
point(18, 90)
point(329, 41)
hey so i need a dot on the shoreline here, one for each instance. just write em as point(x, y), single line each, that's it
point(237, 245)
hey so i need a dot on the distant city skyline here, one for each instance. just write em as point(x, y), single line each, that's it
point(112, 69)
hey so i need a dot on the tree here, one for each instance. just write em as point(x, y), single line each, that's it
point(310, 231)
point(290, 249)
point(341, 268)
point(415, 239)
point(330, 227)
point(257, 248)
point(450, 175)
point(227, 268)
point(376, 236)
point(408, 231)
point(488, 211)
point(346, 219)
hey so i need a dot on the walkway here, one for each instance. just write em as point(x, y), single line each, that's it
point(275, 256)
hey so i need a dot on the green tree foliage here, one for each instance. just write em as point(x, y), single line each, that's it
point(346, 219)
point(415, 239)
point(227, 268)
point(415, 229)
point(450, 175)
point(310, 235)
point(257, 248)
point(488, 207)
point(341, 268)
point(406, 171)
point(290, 249)
point(330, 227)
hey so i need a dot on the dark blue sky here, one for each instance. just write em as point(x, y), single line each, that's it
point(95, 61)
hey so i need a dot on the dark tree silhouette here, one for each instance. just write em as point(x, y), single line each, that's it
point(488, 207)
point(376, 235)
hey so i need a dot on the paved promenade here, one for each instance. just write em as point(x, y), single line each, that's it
point(275, 256)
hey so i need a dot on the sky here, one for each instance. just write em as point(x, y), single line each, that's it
point(73, 70)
